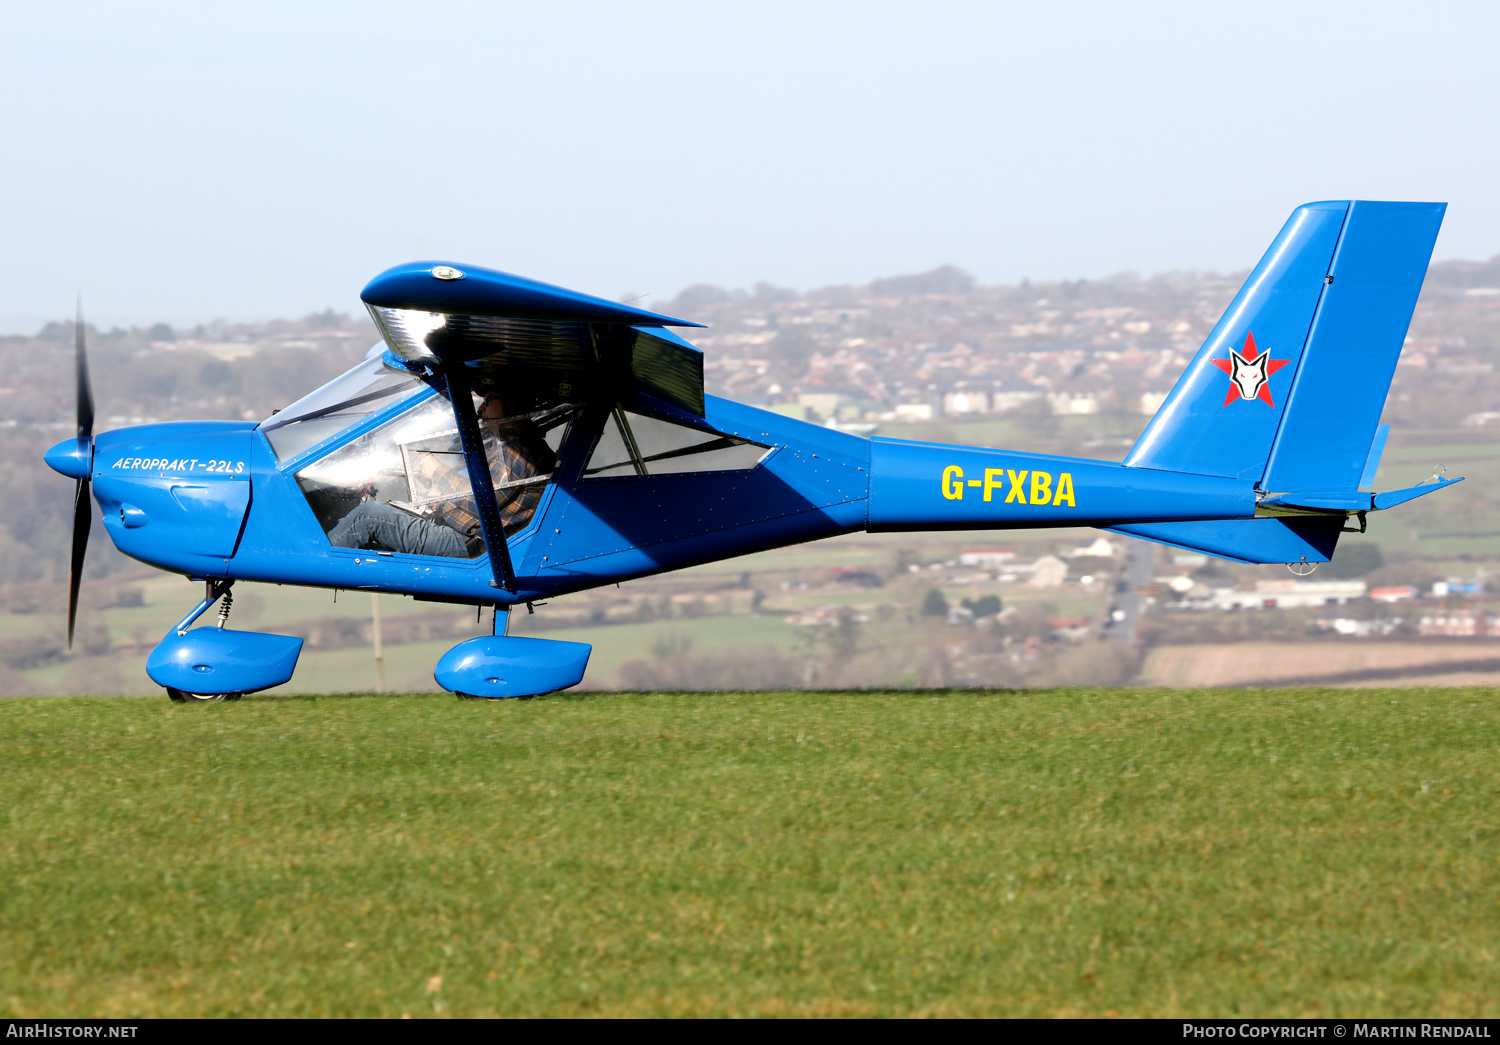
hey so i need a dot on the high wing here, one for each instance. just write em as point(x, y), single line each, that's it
point(450, 319)
point(443, 314)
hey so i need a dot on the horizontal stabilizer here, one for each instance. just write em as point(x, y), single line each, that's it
point(1391, 498)
point(1258, 541)
point(1345, 501)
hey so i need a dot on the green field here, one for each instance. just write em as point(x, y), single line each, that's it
point(1281, 852)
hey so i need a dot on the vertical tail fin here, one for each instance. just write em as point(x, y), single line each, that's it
point(1288, 388)
point(1333, 409)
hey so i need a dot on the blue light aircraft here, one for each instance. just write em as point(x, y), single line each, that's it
point(509, 441)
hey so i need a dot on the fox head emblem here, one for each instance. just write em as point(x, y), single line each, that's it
point(1248, 375)
point(1249, 372)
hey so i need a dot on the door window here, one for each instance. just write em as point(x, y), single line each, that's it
point(634, 444)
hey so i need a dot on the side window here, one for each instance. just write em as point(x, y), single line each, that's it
point(404, 487)
point(633, 444)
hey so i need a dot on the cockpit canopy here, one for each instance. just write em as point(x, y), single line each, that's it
point(403, 486)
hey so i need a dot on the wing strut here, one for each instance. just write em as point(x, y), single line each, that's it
point(479, 476)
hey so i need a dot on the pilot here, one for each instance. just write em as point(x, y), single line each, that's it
point(516, 453)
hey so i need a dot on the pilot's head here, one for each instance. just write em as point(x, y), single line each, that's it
point(493, 408)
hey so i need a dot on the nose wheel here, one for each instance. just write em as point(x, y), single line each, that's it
point(182, 697)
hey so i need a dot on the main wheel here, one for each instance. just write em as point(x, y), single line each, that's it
point(471, 696)
point(181, 697)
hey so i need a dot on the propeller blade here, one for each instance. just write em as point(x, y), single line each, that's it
point(85, 389)
point(83, 517)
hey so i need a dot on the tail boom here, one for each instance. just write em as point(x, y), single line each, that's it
point(934, 486)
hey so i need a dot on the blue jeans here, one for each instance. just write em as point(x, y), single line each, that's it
point(375, 524)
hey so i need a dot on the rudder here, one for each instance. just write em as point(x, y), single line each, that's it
point(1340, 388)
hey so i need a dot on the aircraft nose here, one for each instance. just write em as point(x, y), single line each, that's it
point(72, 457)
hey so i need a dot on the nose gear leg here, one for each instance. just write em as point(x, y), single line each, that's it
point(215, 590)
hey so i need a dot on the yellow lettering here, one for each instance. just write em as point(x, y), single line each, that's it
point(1064, 490)
point(1017, 487)
point(992, 481)
point(953, 487)
point(975, 482)
point(1041, 487)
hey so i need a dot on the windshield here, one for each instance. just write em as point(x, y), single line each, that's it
point(368, 388)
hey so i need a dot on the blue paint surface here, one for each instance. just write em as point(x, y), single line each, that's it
point(177, 494)
point(71, 457)
point(1391, 498)
point(497, 666)
point(490, 292)
point(809, 469)
point(1356, 339)
point(218, 660)
point(1247, 540)
point(1372, 459)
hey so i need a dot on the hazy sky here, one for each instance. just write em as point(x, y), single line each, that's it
point(188, 161)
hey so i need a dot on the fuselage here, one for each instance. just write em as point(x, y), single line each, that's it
point(213, 500)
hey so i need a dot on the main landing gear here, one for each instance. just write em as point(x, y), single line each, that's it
point(209, 665)
point(215, 591)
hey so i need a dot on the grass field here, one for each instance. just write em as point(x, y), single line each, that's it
point(1294, 852)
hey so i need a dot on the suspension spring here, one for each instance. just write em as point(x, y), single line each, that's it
point(225, 605)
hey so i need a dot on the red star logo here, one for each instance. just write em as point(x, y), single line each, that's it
point(1249, 372)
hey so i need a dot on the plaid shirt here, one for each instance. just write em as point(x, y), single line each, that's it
point(522, 454)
